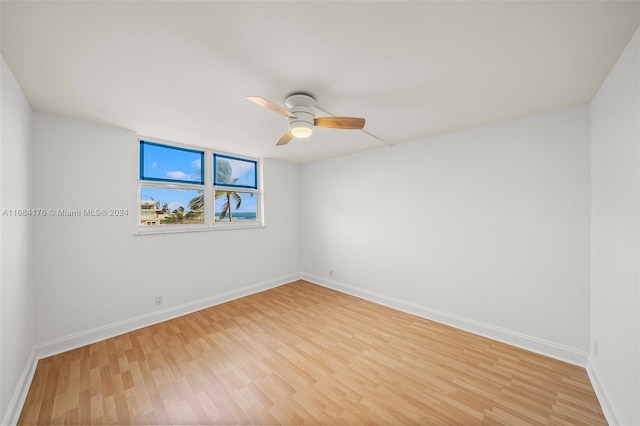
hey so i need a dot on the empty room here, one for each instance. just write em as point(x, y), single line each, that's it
point(320, 212)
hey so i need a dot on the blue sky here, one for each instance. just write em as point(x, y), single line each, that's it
point(168, 163)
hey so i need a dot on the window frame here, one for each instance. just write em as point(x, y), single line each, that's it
point(231, 185)
point(177, 148)
point(207, 187)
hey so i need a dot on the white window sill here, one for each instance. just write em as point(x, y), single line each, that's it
point(173, 230)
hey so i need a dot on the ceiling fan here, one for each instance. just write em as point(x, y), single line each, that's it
point(302, 117)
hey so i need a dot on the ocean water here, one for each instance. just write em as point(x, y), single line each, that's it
point(238, 216)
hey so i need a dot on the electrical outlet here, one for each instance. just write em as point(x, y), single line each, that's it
point(330, 272)
point(595, 347)
point(158, 300)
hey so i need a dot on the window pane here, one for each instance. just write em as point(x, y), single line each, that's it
point(236, 206)
point(165, 206)
point(232, 171)
point(170, 164)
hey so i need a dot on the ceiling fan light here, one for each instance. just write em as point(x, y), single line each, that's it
point(301, 132)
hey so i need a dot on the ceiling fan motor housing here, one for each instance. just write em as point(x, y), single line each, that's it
point(302, 107)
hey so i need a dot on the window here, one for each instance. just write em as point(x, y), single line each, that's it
point(189, 188)
point(233, 171)
point(165, 206)
point(165, 163)
point(235, 186)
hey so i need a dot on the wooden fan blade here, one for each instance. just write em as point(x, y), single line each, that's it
point(285, 139)
point(270, 105)
point(339, 122)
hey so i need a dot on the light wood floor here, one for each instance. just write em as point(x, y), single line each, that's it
point(304, 354)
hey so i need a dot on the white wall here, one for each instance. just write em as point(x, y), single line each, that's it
point(615, 236)
point(486, 229)
point(95, 278)
point(16, 265)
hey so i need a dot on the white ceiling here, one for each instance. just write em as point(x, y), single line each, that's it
point(181, 70)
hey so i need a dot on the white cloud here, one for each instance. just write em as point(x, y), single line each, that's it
point(195, 163)
point(177, 174)
point(174, 205)
point(154, 164)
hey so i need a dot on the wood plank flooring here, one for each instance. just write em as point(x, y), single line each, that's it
point(304, 354)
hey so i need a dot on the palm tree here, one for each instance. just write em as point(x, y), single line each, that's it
point(226, 208)
point(196, 204)
point(223, 175)
point(178, 214)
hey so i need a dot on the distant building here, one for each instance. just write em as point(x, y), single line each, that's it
point(149, 213)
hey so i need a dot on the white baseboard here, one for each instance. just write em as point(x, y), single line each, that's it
point(87, 337)
point(14, 408)
point(534, 344)
point(607, 403)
